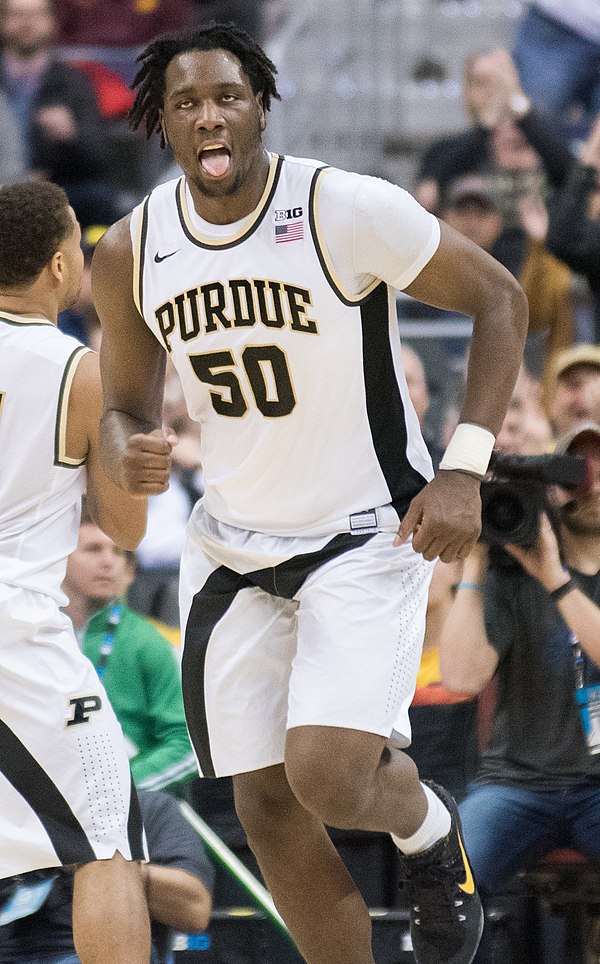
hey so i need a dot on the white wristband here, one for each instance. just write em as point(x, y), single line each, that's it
point(469, 449)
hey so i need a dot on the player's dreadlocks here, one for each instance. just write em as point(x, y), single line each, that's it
point(150, 78)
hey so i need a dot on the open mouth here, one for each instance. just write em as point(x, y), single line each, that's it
point(215, 160)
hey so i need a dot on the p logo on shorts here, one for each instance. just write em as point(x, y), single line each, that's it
point(82, 707)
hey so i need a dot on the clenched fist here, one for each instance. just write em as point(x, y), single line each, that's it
point(146, 462)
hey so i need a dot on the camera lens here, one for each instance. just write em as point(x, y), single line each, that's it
point(505, 513)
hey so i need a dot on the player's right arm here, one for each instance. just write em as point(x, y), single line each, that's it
point(119, 515)
point(136, 453)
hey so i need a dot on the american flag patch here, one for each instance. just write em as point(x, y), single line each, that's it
point(294, 231)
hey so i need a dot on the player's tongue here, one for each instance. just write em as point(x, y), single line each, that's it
point(215, 162)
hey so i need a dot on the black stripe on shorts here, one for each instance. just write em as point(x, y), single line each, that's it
point(210, 604)
point(43, 796)
point(135, 826)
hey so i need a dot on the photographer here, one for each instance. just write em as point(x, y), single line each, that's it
point(536, 625)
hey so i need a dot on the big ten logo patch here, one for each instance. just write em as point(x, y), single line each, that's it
point(287, 214)
point(81, 709)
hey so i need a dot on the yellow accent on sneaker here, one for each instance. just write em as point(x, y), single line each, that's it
point(468, 885)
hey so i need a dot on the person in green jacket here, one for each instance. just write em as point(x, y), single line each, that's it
point(136, 664)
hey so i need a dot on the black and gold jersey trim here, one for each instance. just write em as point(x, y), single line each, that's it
point(139, 256)
point(18, 320)
point(60, 433)
point(320, 248)
point(212, 244)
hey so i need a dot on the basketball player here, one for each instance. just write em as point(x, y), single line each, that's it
point(269, 281)
point(65, 786)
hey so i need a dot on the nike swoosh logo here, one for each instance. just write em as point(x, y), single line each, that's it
point(468, 885)
point(161, 257)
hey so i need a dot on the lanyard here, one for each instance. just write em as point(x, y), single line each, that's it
point(114, 618)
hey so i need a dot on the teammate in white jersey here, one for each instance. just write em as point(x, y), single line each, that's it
point(66, 796)
point(270, 283)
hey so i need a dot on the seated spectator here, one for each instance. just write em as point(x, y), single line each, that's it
point(471, 206)
point(572, 387)
point(572, 228)
point(532, 620)
point(178, 884)
point(497, 145)
point(419, 395)
point(525, 429)
point(450, 158)
point(136, 664)
point(57, 111)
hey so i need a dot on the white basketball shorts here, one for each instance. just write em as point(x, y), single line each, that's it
point(287, 632)
point(66, 795)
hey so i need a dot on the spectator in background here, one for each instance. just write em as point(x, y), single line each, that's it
point(472, 207)
point(557, 52)
point(572, 387)
point(535, 624)
point(451, 157)
point(56, 110)
point(178, 883)
point(136, 664)
point(419, 396)
point(493, 146)
point(571, 226)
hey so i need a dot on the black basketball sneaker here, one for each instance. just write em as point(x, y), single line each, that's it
point(446, 916)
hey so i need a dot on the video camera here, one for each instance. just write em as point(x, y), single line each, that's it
point(514, 496)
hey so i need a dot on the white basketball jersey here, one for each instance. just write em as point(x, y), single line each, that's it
point(298, 389)
point(40, 488)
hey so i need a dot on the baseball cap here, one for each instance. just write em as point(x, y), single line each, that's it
point(582, 354)
point(581, 431)
point(471, 187)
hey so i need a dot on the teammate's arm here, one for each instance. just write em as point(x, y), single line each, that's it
point(136, 453)
point(121, 517)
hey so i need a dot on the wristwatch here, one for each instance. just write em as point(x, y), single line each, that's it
point(519, 104)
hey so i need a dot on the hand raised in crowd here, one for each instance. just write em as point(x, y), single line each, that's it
point(534, 216)
point(542, 560)
point(494, 81)
point(58, 123)
point(146, 463)
point(444, 519)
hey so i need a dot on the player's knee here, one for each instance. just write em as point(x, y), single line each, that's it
point(329, 788)
point(260, 805)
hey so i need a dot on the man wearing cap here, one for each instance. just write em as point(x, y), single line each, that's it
point(572, 387)
point(535, 624)
point(473, 205)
